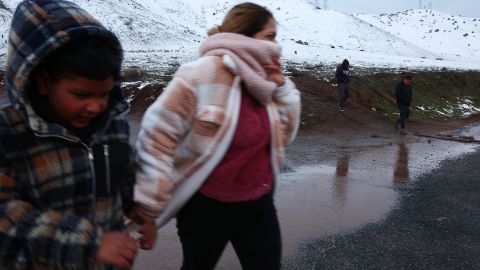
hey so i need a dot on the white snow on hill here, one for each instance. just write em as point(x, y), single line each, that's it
point(158, 33)
point(447, 35)
point(5, 18)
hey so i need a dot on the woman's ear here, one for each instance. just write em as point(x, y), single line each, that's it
point(42, 81)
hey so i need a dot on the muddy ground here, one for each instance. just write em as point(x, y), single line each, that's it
point(370, 108)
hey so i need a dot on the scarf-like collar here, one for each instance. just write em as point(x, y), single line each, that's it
point(249, 56)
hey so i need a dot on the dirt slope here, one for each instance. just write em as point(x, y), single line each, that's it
point(370, 108)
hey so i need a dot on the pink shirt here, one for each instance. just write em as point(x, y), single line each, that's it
point(245, 172)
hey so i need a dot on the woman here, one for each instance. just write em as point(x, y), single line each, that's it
point(211, 145)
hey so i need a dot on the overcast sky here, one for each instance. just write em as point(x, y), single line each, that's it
point(470, 8)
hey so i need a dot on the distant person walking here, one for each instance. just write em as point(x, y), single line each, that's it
point(403, 95)
point(343, 80)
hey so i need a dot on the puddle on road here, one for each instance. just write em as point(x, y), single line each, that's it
point(331, 187)
point(324, 200)
point(357, 187)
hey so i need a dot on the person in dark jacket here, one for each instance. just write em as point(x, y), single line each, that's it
point(403, 95)
point(342, 75)
point(66, 165)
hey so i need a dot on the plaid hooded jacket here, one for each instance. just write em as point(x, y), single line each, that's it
point(58, 195)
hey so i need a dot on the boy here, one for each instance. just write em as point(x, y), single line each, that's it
point(65, 158)
point(403, 96)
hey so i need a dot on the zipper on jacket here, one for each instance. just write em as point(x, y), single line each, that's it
point(94, 180)
point(107, 167)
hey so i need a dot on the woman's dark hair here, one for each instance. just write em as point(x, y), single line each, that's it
point(90, 58)
point(246, 19)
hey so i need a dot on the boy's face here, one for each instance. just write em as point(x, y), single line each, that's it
point(407, 81)
point(77, 101)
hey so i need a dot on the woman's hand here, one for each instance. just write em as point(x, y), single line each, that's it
point(148, 231)
point(274, 73)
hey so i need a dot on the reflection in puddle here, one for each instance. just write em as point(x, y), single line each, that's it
point(342, 166)
point(340, 183)
point(401, 173)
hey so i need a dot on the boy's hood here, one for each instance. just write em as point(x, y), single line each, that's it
point(41, 26)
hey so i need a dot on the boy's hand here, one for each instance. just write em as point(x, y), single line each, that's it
point(117, 249)
point(148, 231)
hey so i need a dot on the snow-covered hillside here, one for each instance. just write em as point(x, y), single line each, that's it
point(440, 33)
point(5, 18)
point(157, 33)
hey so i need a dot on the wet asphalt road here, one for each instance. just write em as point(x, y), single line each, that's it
point(351, 203)
point(435, 225)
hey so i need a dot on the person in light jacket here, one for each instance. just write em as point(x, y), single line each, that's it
point(212, 145)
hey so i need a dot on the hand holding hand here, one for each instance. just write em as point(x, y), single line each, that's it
point(148, 228)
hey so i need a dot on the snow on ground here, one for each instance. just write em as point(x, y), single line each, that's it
point(463, 107)
point(157, 34)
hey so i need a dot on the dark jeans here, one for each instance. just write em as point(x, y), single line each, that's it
point(205, 226)
point(404, 114)
point(343, 93)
